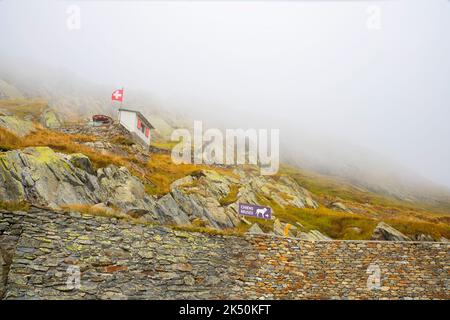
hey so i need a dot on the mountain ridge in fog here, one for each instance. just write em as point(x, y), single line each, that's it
point(359, 167)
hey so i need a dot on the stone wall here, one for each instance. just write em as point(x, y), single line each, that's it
point(42, 254)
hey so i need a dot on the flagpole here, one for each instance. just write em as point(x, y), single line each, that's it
point(121, 101)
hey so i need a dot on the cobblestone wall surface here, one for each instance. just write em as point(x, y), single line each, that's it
point(47, 255)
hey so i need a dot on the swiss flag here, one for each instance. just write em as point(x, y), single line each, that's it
point(117, 95)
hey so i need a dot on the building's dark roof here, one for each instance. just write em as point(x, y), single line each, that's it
point(141, 116)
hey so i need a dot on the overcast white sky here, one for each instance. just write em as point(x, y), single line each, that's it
point(288, 65)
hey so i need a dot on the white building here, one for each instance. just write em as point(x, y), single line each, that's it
point(136, 124)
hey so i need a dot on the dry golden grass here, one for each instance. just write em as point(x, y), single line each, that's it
point(231, 197)
point(162, 172)
point(14, 205)
point(61, 142)
point(157, 174)
point(8, 141)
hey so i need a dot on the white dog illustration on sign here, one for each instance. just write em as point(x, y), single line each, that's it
point(261, 212)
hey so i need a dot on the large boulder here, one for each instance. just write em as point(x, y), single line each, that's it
point(50, 119)
point(123, 190)
point(255, 229)
point(39, 175)
point(284, 192)
point(16, 125)
point(202, 196)
point(82, 162)
point(383, 231)
point(196, 197)
point(339, 206)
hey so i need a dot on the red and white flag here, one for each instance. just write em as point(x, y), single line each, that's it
point(117, 95)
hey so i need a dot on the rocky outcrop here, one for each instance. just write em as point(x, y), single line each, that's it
point(41, 176)
point(122, 189)
point(313, 235)
point(17, 126)
point(50, 119)
point(283, 191)
point(255, 229)
point(384, 231)
point(198, 198)
point(339, 206)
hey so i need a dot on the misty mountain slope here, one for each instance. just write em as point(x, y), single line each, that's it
point(77, 98)
point(7, 91)
point(131, 183)
point(368, 171)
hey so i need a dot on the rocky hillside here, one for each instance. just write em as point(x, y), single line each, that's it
point(79, 168)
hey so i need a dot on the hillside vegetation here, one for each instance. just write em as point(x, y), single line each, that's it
point(363, 209)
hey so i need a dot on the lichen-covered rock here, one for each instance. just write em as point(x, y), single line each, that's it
point(339, 206)
point(82, 162)
point(17, 126)
point(122, 189)
point(200, 196)
point(284, 192)
point(383, 231)
point(50, 119)
point(197, 197)
point(41, 176)
point(255, 229)
point(423, 237)
point(313, 235)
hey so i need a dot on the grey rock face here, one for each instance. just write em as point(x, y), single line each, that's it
point(122, 189)
point(423, 237)
point(339, 206)
point(50, 119)
point(313, 235)
point(82, 162)
point(384, 231)
point(41, 176)
point(255, 229)
point(17, 126)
